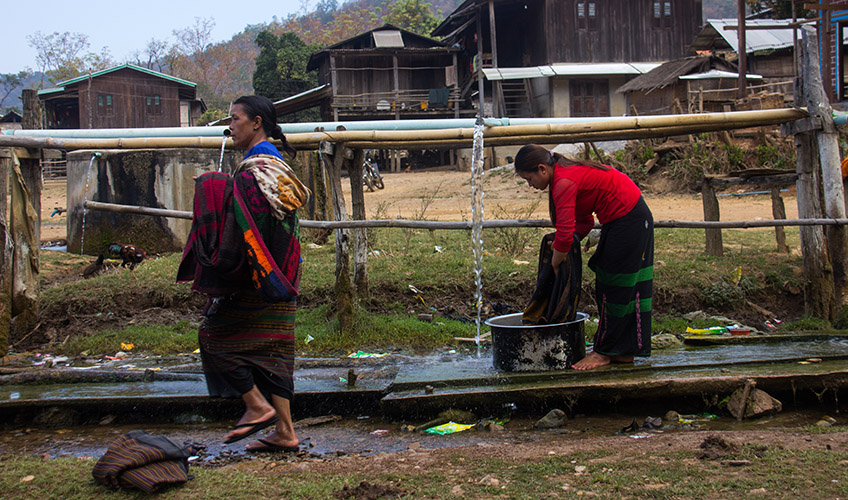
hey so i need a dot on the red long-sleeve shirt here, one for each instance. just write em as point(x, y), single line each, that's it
point(578, 191)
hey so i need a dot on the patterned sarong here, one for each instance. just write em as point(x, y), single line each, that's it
point(144, 461)
point(244, 252)
point(238, 238)
point(248, 341)
point(283, 190)
point(624, 271)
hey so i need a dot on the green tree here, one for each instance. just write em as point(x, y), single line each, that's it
point(781, 9)
point(9, 82)
point(211, 115)
point(281, 69)
point(413, 15)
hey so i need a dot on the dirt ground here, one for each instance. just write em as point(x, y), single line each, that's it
point(407, 193)
point(443, 194)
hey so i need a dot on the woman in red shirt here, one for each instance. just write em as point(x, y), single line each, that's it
point(623, 261)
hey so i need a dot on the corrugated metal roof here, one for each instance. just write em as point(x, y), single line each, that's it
point(714, 35)
point(715, 73)
point(61, 85)
point(569, 69)
point(387, 39)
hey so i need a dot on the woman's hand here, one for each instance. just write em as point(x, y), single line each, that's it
point(557, 259)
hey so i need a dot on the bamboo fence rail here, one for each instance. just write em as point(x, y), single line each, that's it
point(488, 224)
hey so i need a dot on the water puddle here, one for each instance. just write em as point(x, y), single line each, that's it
point(366, 435)
point(452, 368)
point(56, 248)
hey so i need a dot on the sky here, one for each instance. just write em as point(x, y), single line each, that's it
point(125, 27)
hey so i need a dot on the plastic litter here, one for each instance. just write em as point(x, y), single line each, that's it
point(127, 347)
point(379, 432)
point(448, 428)
point(361, 355)
point(713, 330)
point(417, 293)
point(309, 338)
point(699, 417)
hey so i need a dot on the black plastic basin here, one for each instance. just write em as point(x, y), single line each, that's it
point(532, 348)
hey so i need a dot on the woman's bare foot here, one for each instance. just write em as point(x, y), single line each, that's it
point(595, 360)
point(592, 360)
point(274, 440)
point(251, 416)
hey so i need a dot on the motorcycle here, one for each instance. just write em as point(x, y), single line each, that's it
point(371, 175)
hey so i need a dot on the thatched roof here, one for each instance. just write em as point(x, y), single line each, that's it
point(669, 73)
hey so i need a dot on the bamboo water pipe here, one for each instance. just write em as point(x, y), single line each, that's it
point(614, 128)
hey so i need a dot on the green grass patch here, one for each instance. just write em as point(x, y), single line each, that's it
point(375, 332)
point(180, 337)
point(773, 472)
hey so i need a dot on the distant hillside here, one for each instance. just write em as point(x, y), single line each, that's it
point(717, 9)
point(14, 99)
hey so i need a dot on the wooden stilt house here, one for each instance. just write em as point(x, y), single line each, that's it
point(389, 73)
point(563, 57)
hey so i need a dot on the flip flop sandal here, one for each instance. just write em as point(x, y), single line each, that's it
point(254, 428)
point(268, 446)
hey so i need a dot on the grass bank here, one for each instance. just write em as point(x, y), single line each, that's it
point(413, 272)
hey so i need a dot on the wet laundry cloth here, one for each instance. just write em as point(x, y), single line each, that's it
point(144, 461)
point(557, 294)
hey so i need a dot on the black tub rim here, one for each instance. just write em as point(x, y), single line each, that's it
point(581, 317)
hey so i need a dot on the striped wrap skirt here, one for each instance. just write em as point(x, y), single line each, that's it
point(246, 341)
point(624, 271)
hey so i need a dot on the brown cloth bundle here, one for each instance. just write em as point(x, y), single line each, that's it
point(557, 294)
point(144, 461)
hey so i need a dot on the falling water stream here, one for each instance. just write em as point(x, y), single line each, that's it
point(477, 220)
point(84, 199)
point(223, 145)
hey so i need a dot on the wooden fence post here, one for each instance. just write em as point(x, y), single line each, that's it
point(714, 244)
point(827, 140)
point(778, 211)
point(360, 238)
point(25, 179)
point(32, 110)
point(343, 290)
point(5, 254)
point(819, 293)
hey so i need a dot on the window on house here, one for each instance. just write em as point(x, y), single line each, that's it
point(661, 14)
point(587, 16)
point(104, 105)
point(589, 98)
point(152, 105)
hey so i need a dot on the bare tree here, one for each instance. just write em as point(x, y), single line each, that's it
point(156, 50)
point(194, 41)
point(59, 53)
